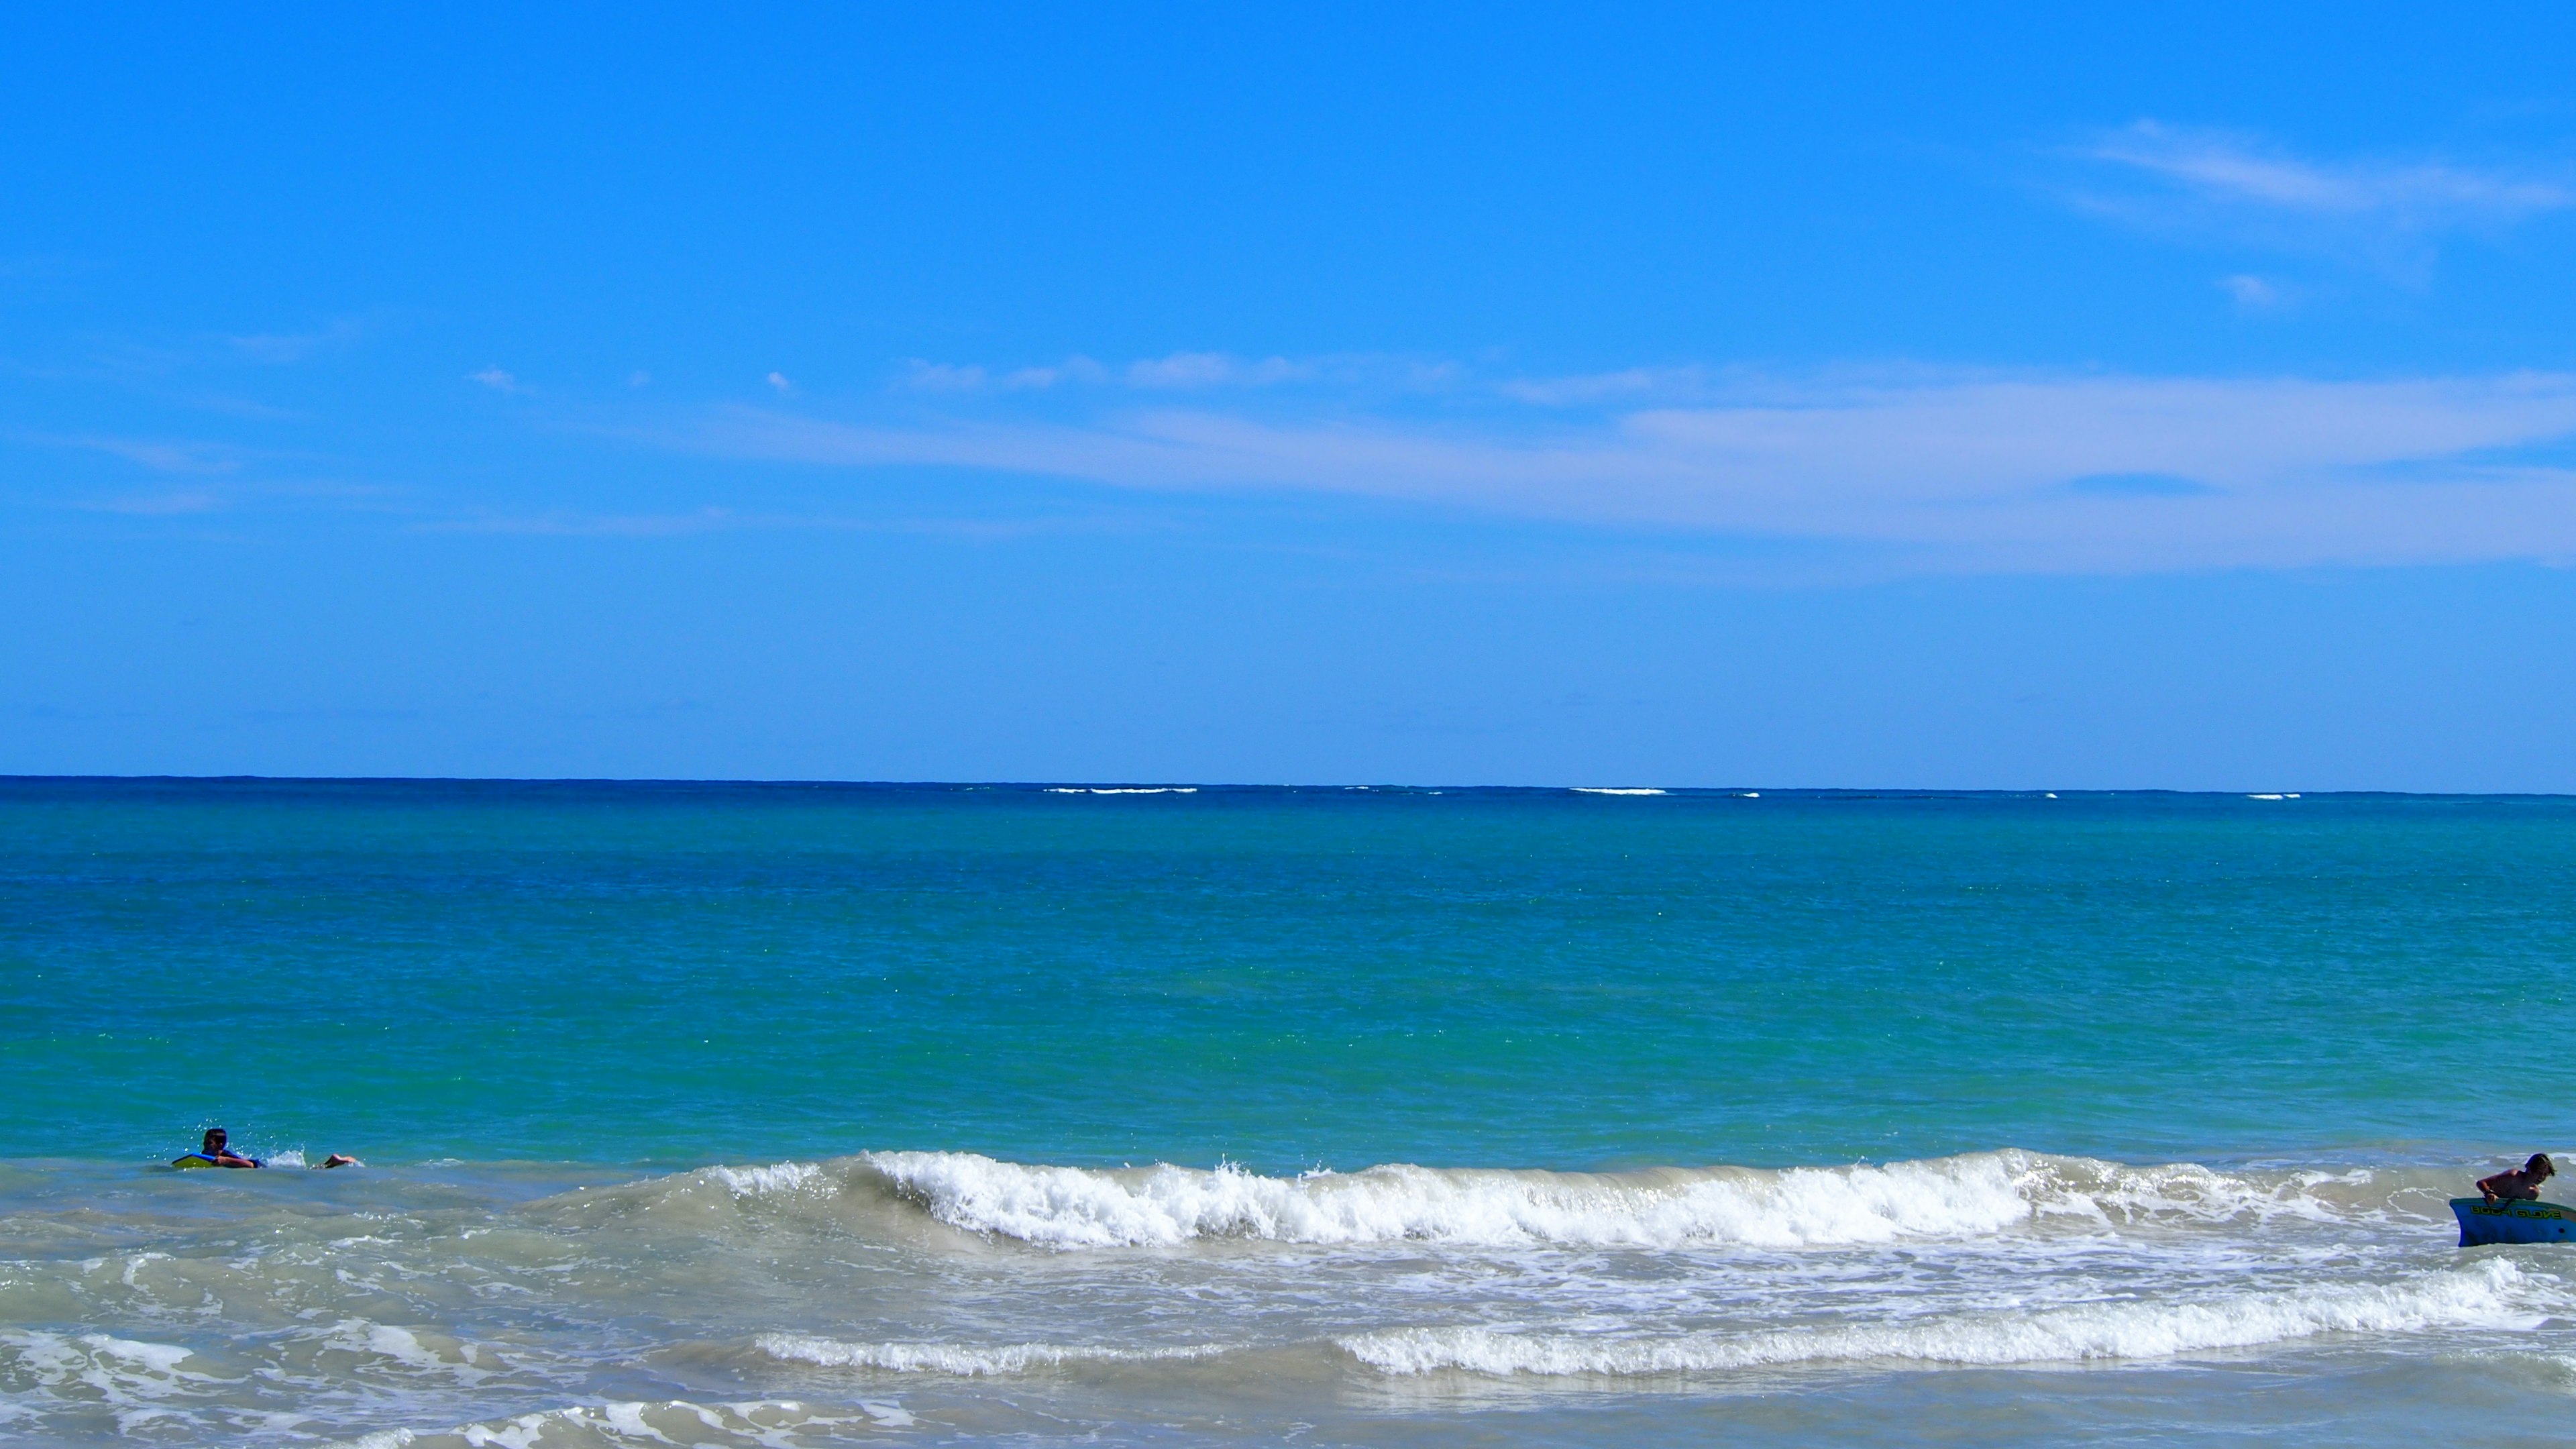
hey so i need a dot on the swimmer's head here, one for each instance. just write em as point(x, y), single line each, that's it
point(214, 1140)
point(2541, 1164)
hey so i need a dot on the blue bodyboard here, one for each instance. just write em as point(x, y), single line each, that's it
point(2510, 1221)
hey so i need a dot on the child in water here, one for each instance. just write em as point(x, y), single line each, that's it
point(220, 1155)
point(2524, 1184)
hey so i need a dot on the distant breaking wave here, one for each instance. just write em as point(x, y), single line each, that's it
point(960, 1360)
point(1122, 789)
point(1951, 1197)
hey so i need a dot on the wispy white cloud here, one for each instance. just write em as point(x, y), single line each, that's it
point(161, 455)
point(240, 494)
point(222, 478)
point(580, 523)
point(944, 377)
point(1628, 384)
point(1178, 372)
point(1070, 370)
point(2025, 472)
point(230, 406)
point(2246, 190)
point(495, 379)
point(930, 376)
point(2250, 291)
point(573, 524)
point(158, 505)
point(39, 266)
point(779, 381)
point(286, 347)
point(1074, 369)
point(1184, 370)
point(2238, 170)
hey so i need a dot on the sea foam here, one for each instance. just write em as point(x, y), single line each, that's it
point(773, 1424)
point(773, 1178)
point(2486, 1295)
point(961, 1360)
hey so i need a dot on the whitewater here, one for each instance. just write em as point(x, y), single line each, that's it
point(941, 1295)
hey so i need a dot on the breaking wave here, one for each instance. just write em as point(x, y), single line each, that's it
point(1952, 1197)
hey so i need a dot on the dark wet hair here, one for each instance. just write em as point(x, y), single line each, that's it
point(2540, 1160)
point(214, 1132)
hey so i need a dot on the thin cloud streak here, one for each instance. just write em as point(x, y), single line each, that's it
point(161, 455)
point(2375, 215)
point(2251, 292)
point(1176, 372)
point(282, 348)
point(572, 523)
point(2232, 170)
point(153, 505)
point(1975, 473)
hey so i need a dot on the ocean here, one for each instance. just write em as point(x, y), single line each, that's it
point(785, 1114)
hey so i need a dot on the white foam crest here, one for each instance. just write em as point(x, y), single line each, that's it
point(1972, 1195)
point(2187, 1191)
point(1122, 789)
point(1610, 790)
point(958, 1359)
point(136, 1264)
point(1069, 1207)
point(2487, 1295)
point(116, 1371)
point(777, 1178)
point(420, 1350)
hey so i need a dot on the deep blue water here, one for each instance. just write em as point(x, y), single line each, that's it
point(679, 973)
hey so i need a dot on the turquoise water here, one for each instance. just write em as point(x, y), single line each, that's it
point(680, 973)
point(848, 1096)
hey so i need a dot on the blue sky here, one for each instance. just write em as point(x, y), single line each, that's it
point(1665, 395)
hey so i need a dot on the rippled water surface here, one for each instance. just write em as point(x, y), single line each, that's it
point(786, 1115)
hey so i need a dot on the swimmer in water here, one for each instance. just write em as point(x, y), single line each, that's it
point(2522, 1184)
point(215, 1151)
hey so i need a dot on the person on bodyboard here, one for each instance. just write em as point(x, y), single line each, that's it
point(2522, 1184)
point(215, 1153)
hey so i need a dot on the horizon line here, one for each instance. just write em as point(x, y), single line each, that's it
point(1174, 786)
